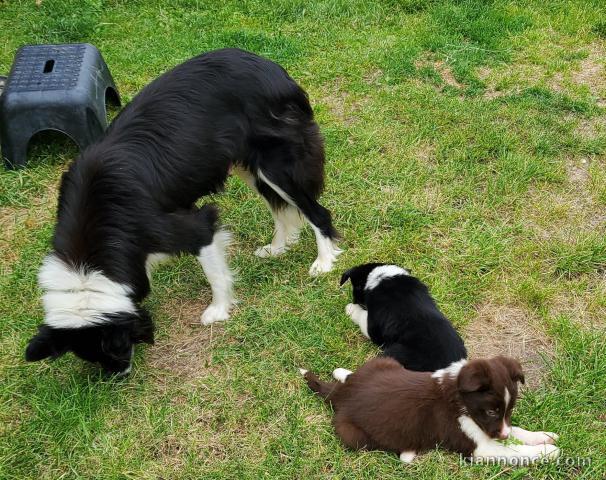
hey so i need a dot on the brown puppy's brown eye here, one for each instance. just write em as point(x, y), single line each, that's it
point(492, 413)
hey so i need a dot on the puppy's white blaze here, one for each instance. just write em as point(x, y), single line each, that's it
point(507, 398)
point(451, 371)
point(378, 274)
point(214, 264)
point(76, 298)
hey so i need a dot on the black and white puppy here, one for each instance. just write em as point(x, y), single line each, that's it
point(129, 200)
point(396, 311)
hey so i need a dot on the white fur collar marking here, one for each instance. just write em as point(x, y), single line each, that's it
point(473, 431)
point(451, 371)
point(378, 274)
point(75, 298)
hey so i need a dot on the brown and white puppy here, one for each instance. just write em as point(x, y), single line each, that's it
point(463, 408)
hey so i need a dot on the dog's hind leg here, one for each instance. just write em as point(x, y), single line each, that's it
point(352, 436)
point(318, 217)
point(287, 219)
point(288, 222)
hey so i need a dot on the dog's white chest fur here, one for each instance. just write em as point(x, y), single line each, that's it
point(75, 298)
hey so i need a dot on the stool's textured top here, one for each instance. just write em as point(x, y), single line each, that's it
point(46, 67)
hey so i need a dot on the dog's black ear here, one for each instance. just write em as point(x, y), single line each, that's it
point(514, 368)
point(143, 331)
point(473, 377)
point(115, 339)
point(346, 275)
point(43, 345)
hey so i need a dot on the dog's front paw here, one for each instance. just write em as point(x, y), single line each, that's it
point(550, 437)
point(550, 451)
point(540, 438)
point(214, 313)
point(533, 453)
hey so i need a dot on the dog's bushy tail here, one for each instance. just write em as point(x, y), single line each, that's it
point(323, 389)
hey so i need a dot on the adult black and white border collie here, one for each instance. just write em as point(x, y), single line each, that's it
point(129, 200)
point(396, 311)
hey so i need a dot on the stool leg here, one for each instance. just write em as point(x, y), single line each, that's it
point(14, 150)
point(86, 130)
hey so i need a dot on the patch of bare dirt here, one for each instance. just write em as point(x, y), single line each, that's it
point(560, 214)
point(483, 73)
point(441, 67)
point(578, 171)
point(446, 73)
point(10, 217)
point(341, 103)
point(492, 78)
point(372, 77)
point(583, 307)
point(187, 352)
point(591, 128)
point(509, 330)
point(425, 152)
point(591, 72)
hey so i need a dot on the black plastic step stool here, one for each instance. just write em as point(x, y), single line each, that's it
point(54, 87)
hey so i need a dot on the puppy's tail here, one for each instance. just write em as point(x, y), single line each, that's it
point(323, 389)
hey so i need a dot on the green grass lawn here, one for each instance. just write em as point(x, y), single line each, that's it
point(465, 140)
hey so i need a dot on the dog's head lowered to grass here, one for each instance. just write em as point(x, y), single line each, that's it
point(90, 315)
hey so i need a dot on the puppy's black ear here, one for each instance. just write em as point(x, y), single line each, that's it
point(43, 345)
point(346, 276)
point(143, 330)
point(473, 377)
point(514, 368)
